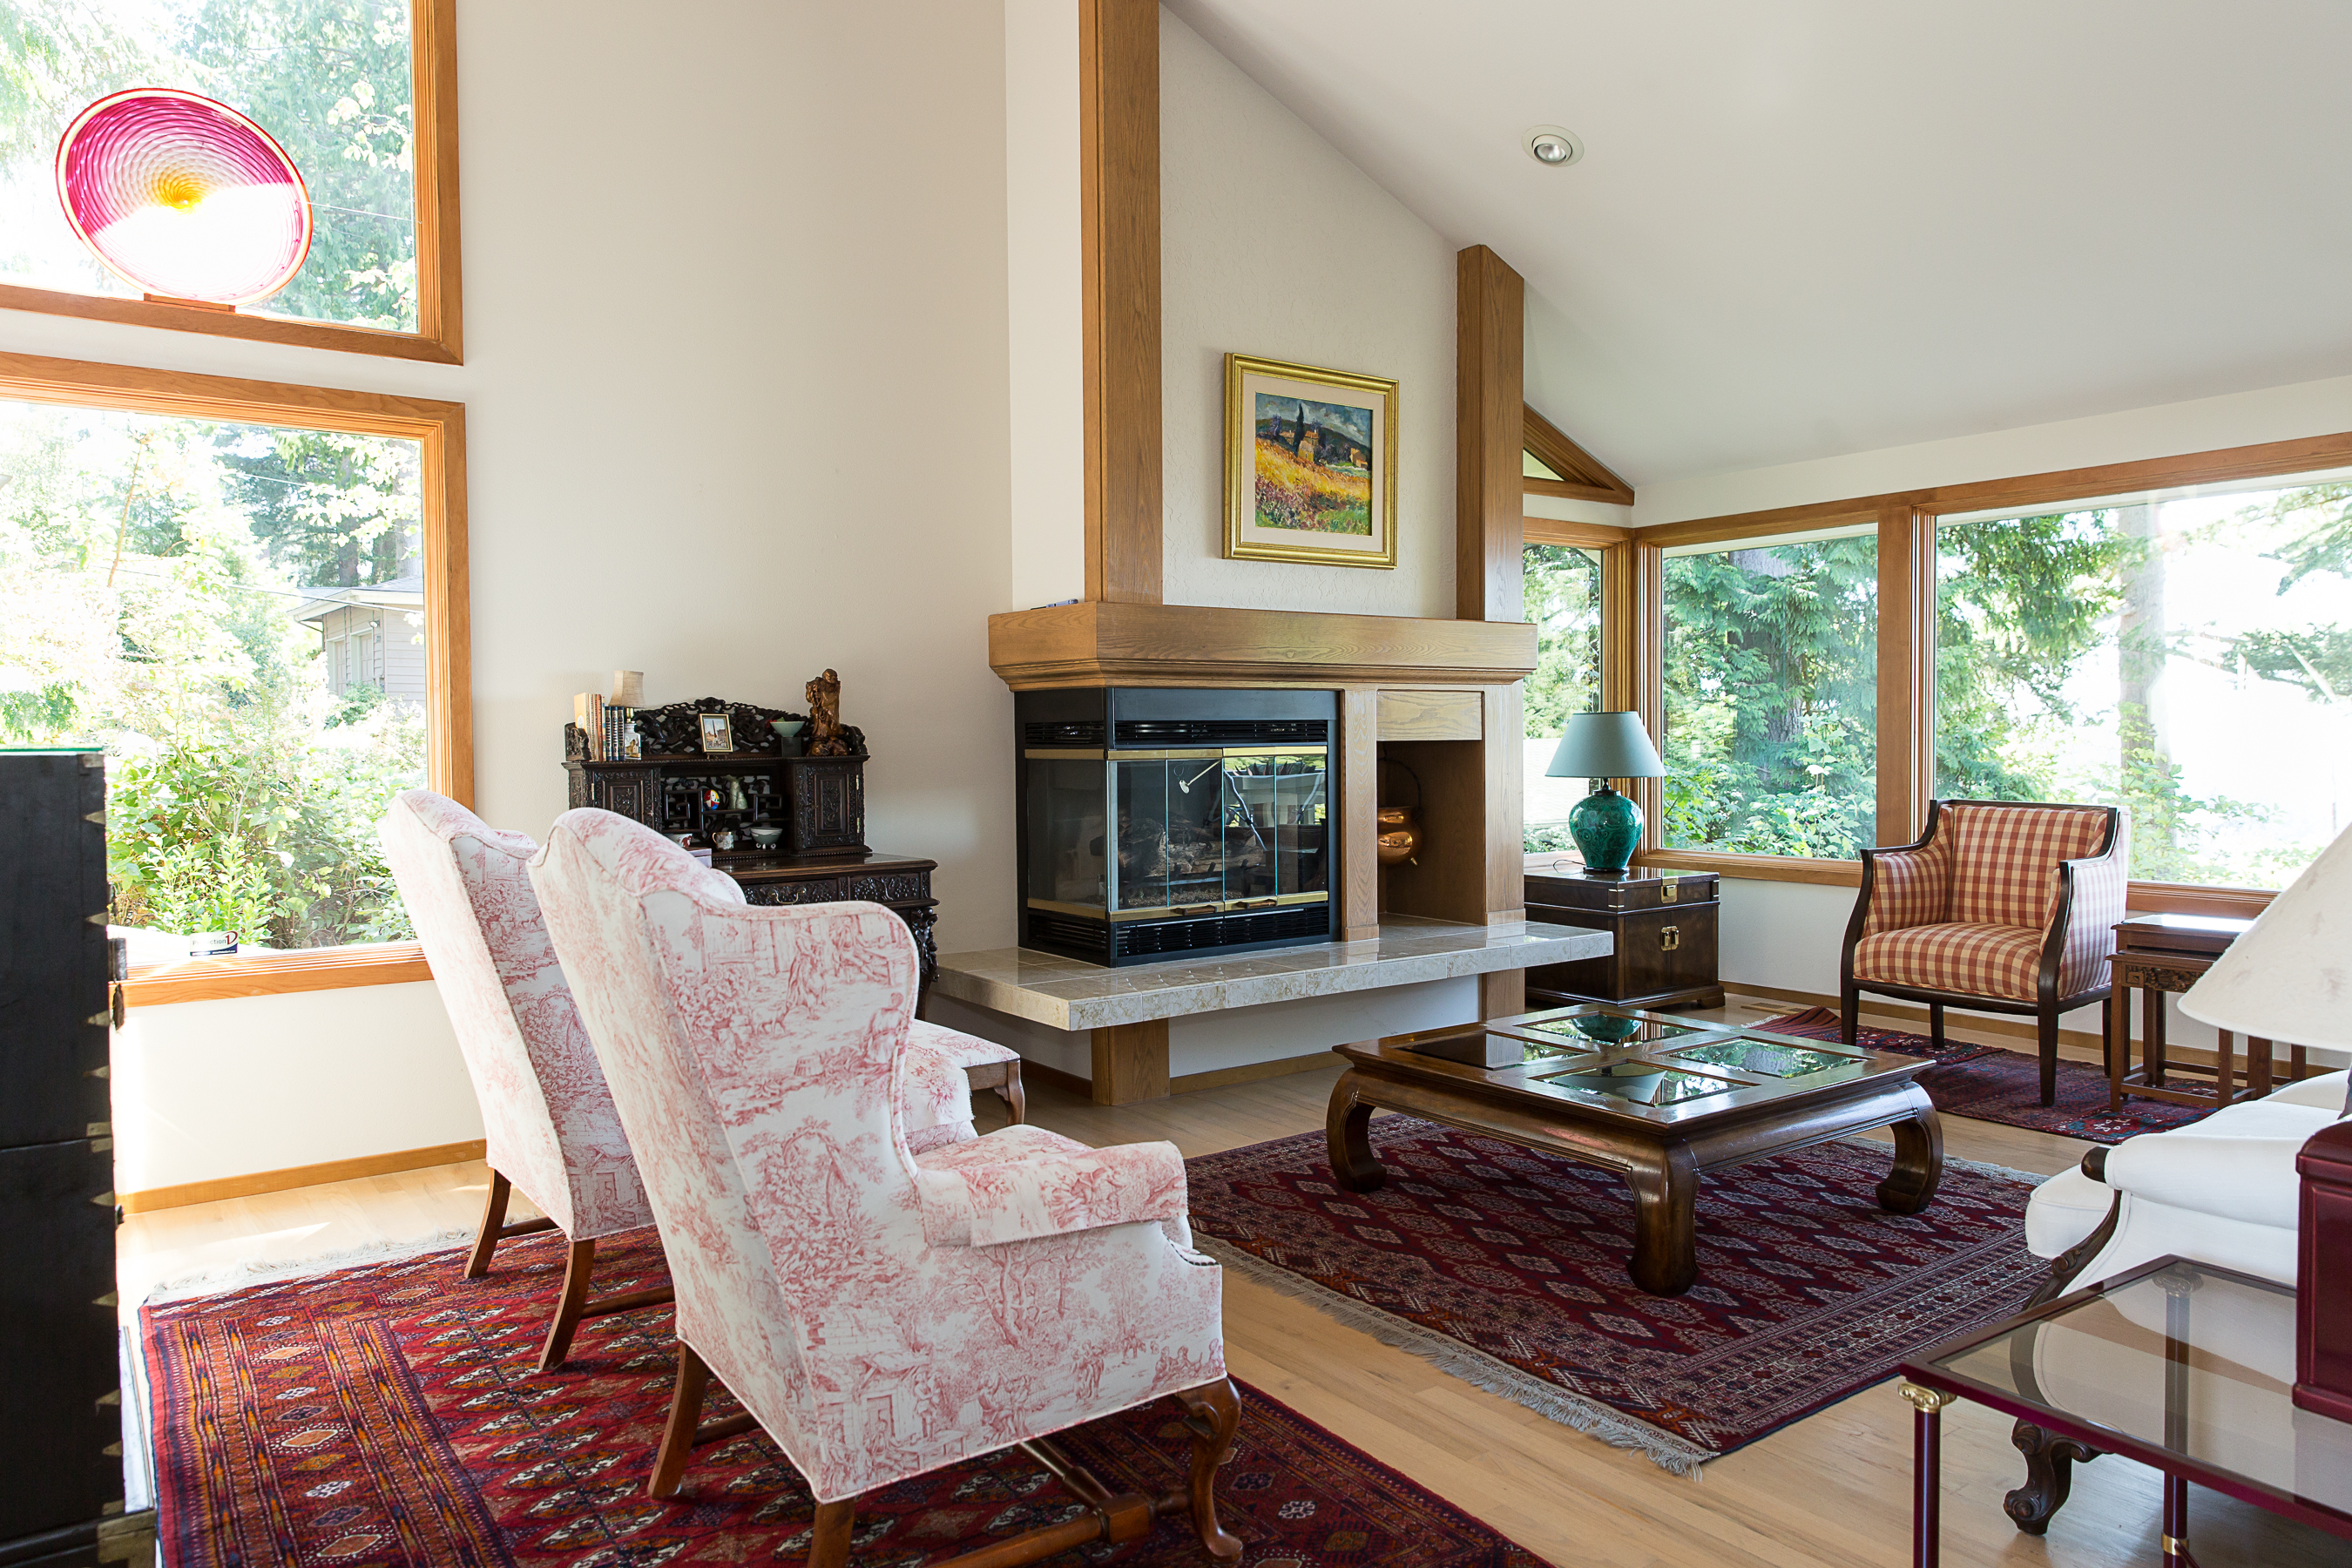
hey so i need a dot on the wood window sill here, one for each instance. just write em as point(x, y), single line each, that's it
point(2143, 898)
point(275, 973)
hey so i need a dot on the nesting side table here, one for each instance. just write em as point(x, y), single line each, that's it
point(2157, 953)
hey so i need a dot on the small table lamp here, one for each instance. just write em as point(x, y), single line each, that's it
point(1605, 825)
point(2290, 978)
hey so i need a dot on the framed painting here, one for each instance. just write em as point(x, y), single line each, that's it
point(1311, 464)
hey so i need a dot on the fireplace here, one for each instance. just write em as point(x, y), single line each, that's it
point(1163, 822)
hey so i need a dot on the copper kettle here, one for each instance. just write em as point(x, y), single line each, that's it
point(1400, 834)
point(1399, 838)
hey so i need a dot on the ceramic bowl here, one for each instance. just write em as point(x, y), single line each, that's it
point(767, 837)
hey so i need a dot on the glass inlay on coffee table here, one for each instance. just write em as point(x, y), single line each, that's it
point(1660, 1098)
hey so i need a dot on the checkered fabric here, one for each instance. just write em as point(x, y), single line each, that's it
point(2099, 890)
point(1910, 887)
point(2005, 859)
point(1998, 961)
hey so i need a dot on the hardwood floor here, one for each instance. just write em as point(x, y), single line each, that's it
point(1833, 1489)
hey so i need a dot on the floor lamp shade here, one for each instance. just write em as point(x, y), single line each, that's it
point(1606, 825)
point(182, 196)
point(2290, 976)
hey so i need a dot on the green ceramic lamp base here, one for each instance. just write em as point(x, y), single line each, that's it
point(1606, 827)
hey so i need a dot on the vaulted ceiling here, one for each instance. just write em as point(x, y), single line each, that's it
point(1801, 228)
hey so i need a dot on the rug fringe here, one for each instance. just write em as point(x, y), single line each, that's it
point(240, 1273)
point(1449, 1355)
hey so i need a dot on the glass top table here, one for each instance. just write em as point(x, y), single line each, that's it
point(2182, 1366)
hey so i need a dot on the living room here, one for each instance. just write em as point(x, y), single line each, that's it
point(1838, 448)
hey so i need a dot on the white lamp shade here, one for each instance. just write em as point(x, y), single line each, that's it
point(628, 688)
point(2290, 976)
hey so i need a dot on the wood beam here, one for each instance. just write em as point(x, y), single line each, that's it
point(1118, 153)
point(1490, 434)
point(1582, 476)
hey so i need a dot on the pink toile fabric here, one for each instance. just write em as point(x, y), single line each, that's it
point(548, 1121)
point(757, 1056)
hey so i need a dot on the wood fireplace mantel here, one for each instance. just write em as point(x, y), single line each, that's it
point(1099, 642)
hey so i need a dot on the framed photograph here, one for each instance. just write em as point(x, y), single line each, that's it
point(718, 735)
point(1311, 464)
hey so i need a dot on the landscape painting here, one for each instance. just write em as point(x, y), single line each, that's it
point(1309, 460)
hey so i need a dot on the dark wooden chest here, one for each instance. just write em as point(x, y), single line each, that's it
point(1664, 923)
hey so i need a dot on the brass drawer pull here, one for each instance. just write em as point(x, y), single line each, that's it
point(1669, 938)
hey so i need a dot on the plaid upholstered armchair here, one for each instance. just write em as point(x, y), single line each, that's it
point(2002, 906)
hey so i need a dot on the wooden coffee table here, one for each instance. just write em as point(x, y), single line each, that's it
point(1657, 1098)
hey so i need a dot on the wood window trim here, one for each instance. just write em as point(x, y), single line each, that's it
point(440, 430)
point(1579, 535)
point(275, 973)
point(1582, 476)
point(439, 335)
point(1906, 521)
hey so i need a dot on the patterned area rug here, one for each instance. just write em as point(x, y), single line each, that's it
point(1995, 1085)
point(1507, 1267)
point(391, 1416)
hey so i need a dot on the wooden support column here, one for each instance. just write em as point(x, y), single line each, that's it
point(1906, 670)
point(1118, 153)
point(1503, 993)
point(1490, 435)
point(1359, 793)
point(1131, 1063)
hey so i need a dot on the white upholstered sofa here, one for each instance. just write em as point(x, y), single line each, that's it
point(2222, 1191)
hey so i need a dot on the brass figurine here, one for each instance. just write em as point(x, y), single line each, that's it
point(825, 738)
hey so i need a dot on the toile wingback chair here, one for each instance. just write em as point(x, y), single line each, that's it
point(548, 1122)
point(2003, 907)
point(881, 1310)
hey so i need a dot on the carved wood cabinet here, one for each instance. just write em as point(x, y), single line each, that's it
point(816, 804)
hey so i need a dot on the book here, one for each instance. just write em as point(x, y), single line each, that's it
point(588, 716)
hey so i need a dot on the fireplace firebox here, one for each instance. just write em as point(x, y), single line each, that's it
point(1163, 822)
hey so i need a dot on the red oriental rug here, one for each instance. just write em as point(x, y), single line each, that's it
point(391, 1415)
point(1507, 1267)
point(1995, 1085)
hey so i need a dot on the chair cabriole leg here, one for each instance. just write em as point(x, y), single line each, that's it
point(829, 1546)
point(568, 1306)
point(494, 1216)
point(1213, 1414)
point(1849, 1013)
point(685, 1416)
point(1016, 1100)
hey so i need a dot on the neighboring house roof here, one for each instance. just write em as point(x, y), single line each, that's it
point(404, 593)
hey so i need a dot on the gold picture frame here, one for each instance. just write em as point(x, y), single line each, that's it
point(1311, 464)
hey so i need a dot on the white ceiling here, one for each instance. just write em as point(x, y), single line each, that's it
point(1802, 229)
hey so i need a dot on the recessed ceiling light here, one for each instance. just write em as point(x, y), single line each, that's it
point(1553, 147)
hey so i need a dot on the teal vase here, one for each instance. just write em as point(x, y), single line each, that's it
point(1606, 827)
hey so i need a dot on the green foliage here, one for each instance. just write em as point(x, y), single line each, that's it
point(2325, 544)
point(1771, 699)
point(2316, 658)
point(2019, 606)
point(1562, 585)
point(241, 796)
point(332, 511)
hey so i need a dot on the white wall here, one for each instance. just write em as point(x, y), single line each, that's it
point(736, 391)
point(1272, 243)
point(2239, 419)
point(1044, 311)
point(207, 1090)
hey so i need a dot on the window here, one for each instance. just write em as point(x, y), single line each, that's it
point(1770, 675)
point(336, 82)
point(1562, 589)
point(154, 574)
point(2184, 654)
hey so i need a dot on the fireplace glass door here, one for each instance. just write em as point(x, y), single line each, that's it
point(1215, 830)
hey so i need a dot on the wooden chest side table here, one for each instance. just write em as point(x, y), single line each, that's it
point(1665, 927)
point(2158, 953)
point(899, 881)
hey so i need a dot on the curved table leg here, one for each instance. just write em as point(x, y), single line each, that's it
point(1665, 1227)
point(1352, 1165)
point(2049, 1476)
point(1919, 1159)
